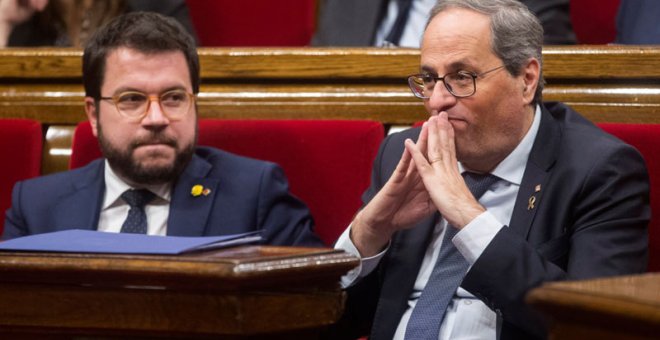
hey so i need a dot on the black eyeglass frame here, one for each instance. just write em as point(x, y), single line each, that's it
point(412, 83)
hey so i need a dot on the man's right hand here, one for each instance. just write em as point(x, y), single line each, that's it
point(402, 202)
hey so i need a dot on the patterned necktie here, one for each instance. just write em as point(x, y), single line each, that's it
point(448, 272)
point(136, 221)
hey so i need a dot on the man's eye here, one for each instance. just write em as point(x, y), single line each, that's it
point(174, 97)
point(463, 76)
point(132, 98)
point(427, 78)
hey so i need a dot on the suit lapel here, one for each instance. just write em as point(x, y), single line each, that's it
point(189, 213)
point(85, 200)
point(541, 159)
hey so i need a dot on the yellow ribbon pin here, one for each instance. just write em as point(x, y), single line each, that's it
point(197, 190)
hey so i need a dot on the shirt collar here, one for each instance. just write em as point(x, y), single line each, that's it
point(512, 168)
point(115, 186)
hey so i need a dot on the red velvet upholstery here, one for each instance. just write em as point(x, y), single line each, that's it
point(20, 150)
point(594, 21)
point(84, 147)
point(646, 138)
point(328, 162)
point(253, 23)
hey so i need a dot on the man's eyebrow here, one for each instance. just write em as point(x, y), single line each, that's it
point(453, 67)
point(135, 89)
point(427, 69)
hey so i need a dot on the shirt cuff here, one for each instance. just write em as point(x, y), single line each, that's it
point(367, 264)
point(472, 240)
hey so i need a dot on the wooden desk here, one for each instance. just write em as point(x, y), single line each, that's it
point(626, 307)
point(234, 293)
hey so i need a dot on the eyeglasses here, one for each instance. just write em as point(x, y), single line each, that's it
point(460, 84)
point(135, 105)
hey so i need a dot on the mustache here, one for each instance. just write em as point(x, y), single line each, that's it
point(155, 138)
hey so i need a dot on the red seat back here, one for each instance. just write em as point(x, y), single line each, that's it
point(253, 23)
point(327, 162)
point(20, 148)
point(594, 21)
point(645, 138)
point(84, 146)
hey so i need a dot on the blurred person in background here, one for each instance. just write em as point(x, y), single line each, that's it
point(401, 22)
point(69, 23)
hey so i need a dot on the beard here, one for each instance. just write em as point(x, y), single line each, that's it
point(125, 165)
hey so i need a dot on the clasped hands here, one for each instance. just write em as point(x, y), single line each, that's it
point(425, 180)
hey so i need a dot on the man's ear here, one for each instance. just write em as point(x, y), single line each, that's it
point(530, 77)
point(92, 114)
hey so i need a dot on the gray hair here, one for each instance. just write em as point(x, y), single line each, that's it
point(517, 34)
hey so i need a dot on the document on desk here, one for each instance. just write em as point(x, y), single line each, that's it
point(88, 241)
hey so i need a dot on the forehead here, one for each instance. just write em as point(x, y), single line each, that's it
point(127, 67)
point(457, 38)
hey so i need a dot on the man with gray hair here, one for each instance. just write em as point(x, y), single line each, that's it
point(494, 195)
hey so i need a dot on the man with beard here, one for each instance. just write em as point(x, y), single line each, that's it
point(141, 75)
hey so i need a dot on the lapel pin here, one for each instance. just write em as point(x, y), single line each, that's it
point(206, 191)
point(532, 200)
point(197, 190)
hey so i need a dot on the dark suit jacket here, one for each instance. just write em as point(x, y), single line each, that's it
point(246, 195)
point(637, 22)
point(590, 220)
point(355, 22)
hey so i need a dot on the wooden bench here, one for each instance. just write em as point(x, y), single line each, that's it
point(605, 83)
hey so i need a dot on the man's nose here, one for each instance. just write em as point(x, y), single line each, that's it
point(155, 114)
point(441, 99)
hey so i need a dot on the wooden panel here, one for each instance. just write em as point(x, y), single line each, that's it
point(626, 307)
point(246, 291)
point(605, 83)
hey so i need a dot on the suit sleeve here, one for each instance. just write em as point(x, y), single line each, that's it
point(284, 219)
point(14, 221)
point(604, 234)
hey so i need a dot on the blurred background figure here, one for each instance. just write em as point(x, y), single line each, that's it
point(638, 22)
point(31, 23)
point(401, 22)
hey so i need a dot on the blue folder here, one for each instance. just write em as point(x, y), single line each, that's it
point(88, 241)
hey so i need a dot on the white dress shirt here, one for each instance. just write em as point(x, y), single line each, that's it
point(414, 29)
point(114, 209)
point(466, 317)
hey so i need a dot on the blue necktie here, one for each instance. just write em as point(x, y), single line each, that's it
point(448, 272)
point(136, 221)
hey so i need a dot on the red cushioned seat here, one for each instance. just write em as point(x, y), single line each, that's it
point(646, 138)
point(20, 149)
point(594, 21)
point(84, 146)
point(327, 162)
point(253, 23)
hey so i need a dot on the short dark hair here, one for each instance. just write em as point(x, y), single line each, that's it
point(146, 32)
point(517, 34)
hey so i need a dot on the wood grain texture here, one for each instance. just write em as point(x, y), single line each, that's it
point(245, 291)
point(626, 307)
point(605, 83)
